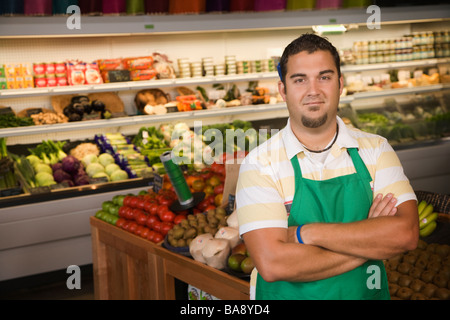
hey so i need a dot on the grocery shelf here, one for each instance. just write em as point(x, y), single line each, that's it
point(218, 113)
point(134, 85)
point(401, 91)
point(394, 65)
point(52, 26)
point(138, 85)
point(140, 120)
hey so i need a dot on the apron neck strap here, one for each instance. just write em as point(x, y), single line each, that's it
point(360, 167)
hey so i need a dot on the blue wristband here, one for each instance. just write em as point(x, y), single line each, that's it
point(299, 238)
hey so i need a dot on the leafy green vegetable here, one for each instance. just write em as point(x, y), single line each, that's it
point(11, 121)
point(7, 178)
point(49, 152)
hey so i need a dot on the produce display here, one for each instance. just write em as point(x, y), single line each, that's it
point(125, 154)
point(81, 108)
point(7, 178)
point(148, 215)
point(420, 274)
point(11, 121)
point(420, 118)
point(427, 218)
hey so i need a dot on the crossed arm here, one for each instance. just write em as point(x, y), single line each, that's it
point(332, 249)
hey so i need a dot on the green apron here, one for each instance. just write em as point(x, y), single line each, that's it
point(339, 200)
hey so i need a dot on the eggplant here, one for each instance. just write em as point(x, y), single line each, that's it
point(79, 99)
point(74, 117)
point(68, 110)
point(78, 108)
point(87, 107)
point(98, 105)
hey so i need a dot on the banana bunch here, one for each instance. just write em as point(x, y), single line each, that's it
point(427, 218)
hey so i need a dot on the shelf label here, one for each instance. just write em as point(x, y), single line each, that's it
point(98, 180)
point(149, 26)
point(40, 190)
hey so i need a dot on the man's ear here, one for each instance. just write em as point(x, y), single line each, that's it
point(341, 84)
point(282, 90)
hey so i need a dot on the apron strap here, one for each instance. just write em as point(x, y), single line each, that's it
point(297, 171)
point(361, 170)
point(360, 167)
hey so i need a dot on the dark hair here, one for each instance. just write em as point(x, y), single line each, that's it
point(310, 43)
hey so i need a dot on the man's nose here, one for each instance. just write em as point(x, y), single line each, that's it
point(313, 88)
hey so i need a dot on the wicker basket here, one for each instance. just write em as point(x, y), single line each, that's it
point(440, 202)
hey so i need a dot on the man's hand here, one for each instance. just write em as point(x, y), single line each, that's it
point(382, 207)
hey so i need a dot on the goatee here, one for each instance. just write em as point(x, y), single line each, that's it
point(314, 123)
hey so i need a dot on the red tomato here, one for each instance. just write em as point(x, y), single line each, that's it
point(167, 216)
point(211, 199)
point(133, 202)
point(158, 237)
point(132, 227)
point(218, 189)
point(138, 230)
point(147, 205)
point(126, 225)
point(120, 222)
point(165, 227)
point(144, 233)
point(216, 167)
point(161, 208)
point(151, 220)
point(127, 200)
point(151, 235)
point(205, 174)
point(203, 204)
point(122, 211)
point(154, 209)
point(135, 213)
point(140, 203)
point(178, 218)
point(210, 207)
point(141, 218)
point(164, 200)
point(221, 171)
point(128, 213)
point(157, 226)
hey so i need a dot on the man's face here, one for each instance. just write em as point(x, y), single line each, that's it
point(312, 89)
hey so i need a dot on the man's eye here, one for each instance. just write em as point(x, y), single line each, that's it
point(325, 78)
point(299, 80)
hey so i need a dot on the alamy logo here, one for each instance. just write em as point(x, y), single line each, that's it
point(373, 22)
point(374, 280)
point(74, 281)
point(74, 21)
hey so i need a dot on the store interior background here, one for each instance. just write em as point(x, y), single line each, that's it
point(245, 45)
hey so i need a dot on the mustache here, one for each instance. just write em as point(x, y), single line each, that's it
point(313, 101)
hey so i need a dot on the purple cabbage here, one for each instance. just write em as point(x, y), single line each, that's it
point(60, 175)
point(81, 180)
point(70, 164)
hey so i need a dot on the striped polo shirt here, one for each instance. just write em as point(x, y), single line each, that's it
point(266, 183)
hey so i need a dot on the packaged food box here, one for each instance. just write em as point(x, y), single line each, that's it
point(116, 76)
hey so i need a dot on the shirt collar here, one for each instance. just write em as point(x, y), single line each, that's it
point(294, 147)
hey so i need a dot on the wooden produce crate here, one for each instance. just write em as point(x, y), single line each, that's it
point(126, 267)
point(129, 267)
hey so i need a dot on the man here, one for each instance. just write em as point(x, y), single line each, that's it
point(321, 204)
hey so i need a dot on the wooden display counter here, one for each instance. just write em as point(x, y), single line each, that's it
point(129, 267)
